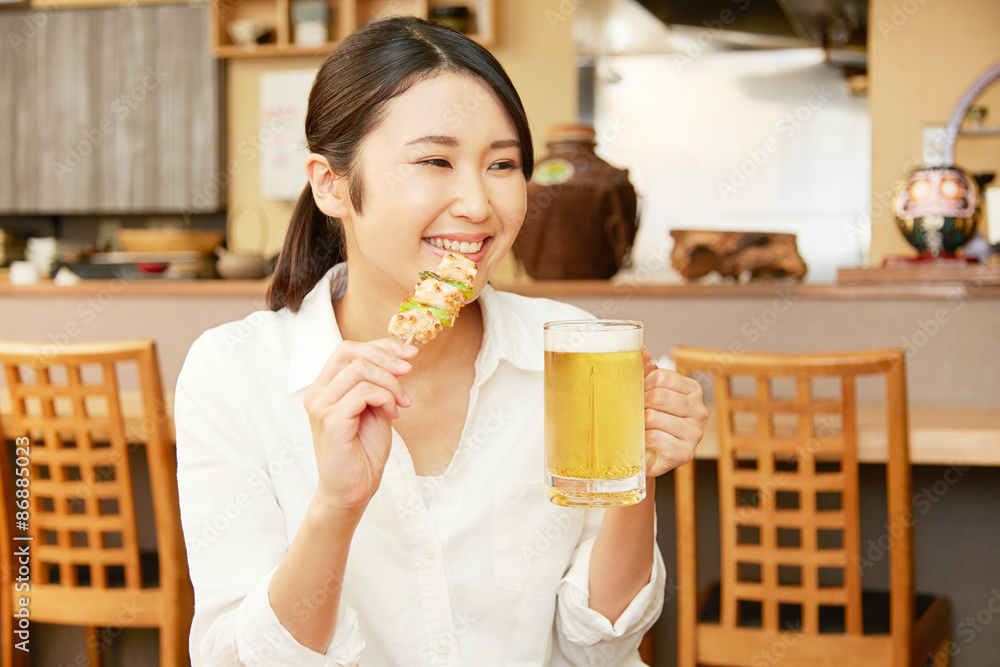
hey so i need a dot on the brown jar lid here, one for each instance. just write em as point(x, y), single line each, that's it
point(570, 132)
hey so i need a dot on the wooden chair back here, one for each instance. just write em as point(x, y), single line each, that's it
point(788, 493)
point(67, 410)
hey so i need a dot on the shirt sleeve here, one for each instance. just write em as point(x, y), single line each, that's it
point(587, 637)
point(234, 529)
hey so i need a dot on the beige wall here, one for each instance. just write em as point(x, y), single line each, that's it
point(923, 54)
point(534, 44)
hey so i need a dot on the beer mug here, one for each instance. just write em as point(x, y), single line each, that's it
point(594, 413)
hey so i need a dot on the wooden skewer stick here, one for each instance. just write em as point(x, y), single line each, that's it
point(409, 339)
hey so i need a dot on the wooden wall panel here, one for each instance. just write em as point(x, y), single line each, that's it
point(116, 111)
point(18, 148)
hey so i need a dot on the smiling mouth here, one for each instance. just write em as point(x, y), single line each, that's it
point(463, 247)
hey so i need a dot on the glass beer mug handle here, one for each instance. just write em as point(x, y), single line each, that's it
point(594, 429)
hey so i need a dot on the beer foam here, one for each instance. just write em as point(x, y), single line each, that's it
point(581, 336)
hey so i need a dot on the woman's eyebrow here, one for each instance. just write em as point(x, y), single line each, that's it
point(505, 143)
point(452, 142)
point(440, 139)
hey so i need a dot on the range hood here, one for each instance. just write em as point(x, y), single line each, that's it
point(839, 26)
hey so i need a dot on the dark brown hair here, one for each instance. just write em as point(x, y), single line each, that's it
point(347, 102)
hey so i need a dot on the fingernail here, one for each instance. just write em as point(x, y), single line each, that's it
point(406, 397)
point(403, 364)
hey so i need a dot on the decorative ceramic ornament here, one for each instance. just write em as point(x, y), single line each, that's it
point(936, 209)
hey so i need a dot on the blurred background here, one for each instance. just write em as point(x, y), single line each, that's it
point(151, 152)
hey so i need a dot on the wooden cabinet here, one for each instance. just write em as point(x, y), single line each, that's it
point(112, 111)
point(345, 17)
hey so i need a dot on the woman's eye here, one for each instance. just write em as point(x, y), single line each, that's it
point(504, 164)
point(436, 162)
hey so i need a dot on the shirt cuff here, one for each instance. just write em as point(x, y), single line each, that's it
point(583, 626)
point(263, 641)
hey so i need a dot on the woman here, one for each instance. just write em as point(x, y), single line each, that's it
point(347, 498)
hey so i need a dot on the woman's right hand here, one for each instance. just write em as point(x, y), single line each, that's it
point(351, 405)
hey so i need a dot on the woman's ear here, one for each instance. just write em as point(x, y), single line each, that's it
point(329, 191)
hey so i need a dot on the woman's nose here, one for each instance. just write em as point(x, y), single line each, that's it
point(472, 199)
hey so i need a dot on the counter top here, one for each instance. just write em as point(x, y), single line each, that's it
point(939, 435)
point(548, 288)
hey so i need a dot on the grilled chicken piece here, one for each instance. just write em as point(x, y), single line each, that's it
point(441, 295)
point(457, 267)
point(420, 323)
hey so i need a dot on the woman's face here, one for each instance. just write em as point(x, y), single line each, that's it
point(442, 172)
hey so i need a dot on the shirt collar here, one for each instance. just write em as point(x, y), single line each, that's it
point(315, 334)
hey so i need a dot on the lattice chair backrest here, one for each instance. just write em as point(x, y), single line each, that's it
point(788, 483)
point(69, 404)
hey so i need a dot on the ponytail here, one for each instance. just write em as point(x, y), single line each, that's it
point(314, 243)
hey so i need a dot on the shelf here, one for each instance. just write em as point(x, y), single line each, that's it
point(345, 17)
point(980, 132)
point(977, 275)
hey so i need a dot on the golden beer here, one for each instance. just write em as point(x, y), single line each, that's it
point(594, 428)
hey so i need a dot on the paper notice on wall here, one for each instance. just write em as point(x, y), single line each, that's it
point(284, 96)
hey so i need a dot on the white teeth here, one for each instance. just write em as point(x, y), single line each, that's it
point(456, 246)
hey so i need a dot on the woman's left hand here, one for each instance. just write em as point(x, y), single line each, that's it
point(675, 417)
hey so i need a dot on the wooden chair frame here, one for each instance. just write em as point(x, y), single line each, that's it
point(807, 452)
point(85, 556)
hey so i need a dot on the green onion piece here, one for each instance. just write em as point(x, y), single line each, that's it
point(465, 289)
point(447, 319)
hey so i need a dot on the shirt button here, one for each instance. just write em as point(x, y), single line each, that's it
point(443, 648)
point(428, 553)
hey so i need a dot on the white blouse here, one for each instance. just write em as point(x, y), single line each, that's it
point(473, 567)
